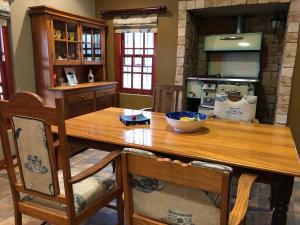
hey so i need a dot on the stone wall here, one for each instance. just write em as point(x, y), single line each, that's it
point(278, 53)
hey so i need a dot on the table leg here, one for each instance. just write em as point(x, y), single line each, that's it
point(281, 199)
point(271, 200)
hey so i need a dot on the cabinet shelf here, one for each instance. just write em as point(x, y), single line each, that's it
point(66, 62)
point(67, 41)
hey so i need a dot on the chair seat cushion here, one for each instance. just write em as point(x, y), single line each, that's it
point(85, 192)
point(173, 204)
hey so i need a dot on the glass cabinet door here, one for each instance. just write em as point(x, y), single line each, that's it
point(73, 42)
point(91, 45)
point(66, 42)
point(97, 44)
point(87, 44)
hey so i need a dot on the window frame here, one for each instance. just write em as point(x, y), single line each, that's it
point(120, 54)
point(6, 74)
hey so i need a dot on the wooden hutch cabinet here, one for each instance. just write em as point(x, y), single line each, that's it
point(62, 41)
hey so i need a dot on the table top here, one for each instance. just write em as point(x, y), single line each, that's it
point(268, 148)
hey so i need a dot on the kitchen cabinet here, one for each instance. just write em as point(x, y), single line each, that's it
point(67, 41)
point(86, 97)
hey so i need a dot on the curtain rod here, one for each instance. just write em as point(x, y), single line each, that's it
point(160, 9)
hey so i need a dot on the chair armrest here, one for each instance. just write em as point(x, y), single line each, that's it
point(239, 210)
point(147, 109)
point(95, 168)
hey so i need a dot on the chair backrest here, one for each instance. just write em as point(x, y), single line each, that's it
point(162, 191)
point(30, 120)
point(166, 98)
point(243, 109)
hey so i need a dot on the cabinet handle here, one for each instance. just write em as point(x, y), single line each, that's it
point(82, 96)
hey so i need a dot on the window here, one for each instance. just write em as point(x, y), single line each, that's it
point(137, 62)
point(6, 78)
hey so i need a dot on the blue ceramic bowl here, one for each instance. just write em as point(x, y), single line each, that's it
point(173, 119)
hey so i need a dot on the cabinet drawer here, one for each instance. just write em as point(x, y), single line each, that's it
point(81, 97)
point(104, 92)
point(80, 108)
point(105, 102)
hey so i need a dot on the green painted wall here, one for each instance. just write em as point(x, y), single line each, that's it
point(21, 38)
point(294, 110)
point(166, 44)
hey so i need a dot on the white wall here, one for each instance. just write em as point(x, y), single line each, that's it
point(22, 46)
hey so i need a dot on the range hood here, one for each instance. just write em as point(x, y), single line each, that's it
point(234, 55)
point(234, 42)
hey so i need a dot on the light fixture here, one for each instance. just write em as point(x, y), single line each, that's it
point(278, 21)
point(244, 44)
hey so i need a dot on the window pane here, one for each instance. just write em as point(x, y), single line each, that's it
point(137, 61)
point(97, 36)
point(147, 82)
point(137, 81)
point(126, 80)
point(148, 62)
point(137, 69)
point(149, 40)
point(149, 52)
point(147, 69)
point(138, 40)
point(128, 40)
point(128, 52)
point(88, 38)
point(127, 61)
point(138, 51)
point(127, 69)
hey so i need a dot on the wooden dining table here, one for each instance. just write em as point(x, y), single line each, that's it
point(266, 150)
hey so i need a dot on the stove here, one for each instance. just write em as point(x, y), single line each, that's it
point(233, 66)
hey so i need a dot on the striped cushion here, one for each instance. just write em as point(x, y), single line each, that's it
point(139, 152)
point(214, 166)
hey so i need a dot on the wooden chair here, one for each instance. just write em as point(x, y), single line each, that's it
point(43, 191)
point(165, 98)
point(236, 108)
point(159, 191)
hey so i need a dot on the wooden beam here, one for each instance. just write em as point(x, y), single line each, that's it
point(159, 9)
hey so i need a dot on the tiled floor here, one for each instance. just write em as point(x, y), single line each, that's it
point(258, 213)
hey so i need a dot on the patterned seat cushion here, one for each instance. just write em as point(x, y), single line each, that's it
point(85, 192)
point(11, 144)
point(173, 204)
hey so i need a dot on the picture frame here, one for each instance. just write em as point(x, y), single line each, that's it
point(71, 76)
